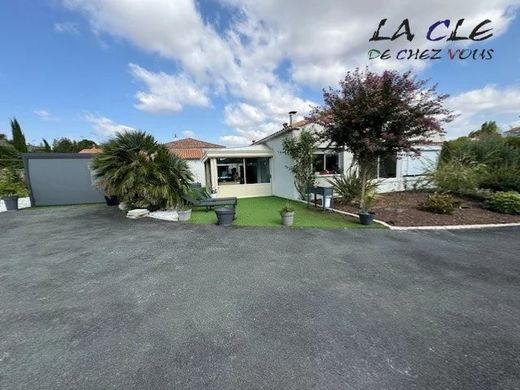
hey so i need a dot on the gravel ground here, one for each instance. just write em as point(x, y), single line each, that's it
point(92, 300)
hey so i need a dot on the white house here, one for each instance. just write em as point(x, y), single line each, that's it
point(262, 168)
point(192, 150)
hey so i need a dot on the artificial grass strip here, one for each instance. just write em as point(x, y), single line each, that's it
point(264, 211)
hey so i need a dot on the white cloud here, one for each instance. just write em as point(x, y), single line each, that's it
point(66, 28)
point(188, 134)
point(479, 105)
point(234, 140)
point(316, 41)
point(167, 93)
point(104, 127)
point(44, 115)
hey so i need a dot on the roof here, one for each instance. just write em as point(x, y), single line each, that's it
point(188, 154)
point(295, 125)
point(190, 148)
point(515, 131)
point(191, 143)
point(91, 150)
point(244, 152)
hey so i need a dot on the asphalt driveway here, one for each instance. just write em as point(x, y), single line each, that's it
point(89, 299)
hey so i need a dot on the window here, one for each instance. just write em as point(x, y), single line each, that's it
point(326, 163)
point(243, 171)
point(257, 170)
point(384, 168)
point(387, 167)
point(230, 170)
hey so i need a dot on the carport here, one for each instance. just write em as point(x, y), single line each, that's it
point(60, 179)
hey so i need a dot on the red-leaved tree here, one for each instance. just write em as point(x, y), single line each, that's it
point(378, 115)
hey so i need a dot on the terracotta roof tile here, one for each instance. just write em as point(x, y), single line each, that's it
point(191, 143)
point(188, 154)
point(91, 150)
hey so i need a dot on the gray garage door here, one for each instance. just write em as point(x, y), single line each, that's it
point(60, 179)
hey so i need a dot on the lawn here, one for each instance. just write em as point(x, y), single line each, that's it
point(265, 212)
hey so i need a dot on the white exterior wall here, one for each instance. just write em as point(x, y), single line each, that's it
point(282, 179)
point(245, 190)
point(198, 171)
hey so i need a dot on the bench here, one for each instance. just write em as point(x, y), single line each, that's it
point(203, 199)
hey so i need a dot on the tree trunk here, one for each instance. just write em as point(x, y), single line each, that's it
point(363, 172)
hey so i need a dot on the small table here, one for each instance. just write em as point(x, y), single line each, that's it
point(324, 192)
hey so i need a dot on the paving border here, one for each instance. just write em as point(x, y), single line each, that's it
point(442, 227)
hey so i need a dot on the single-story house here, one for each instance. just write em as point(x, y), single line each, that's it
point(192, 150)
point(189, 149)
point(513, 132)
point(261, 169)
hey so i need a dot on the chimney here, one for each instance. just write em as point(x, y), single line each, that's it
point(291, 113)
point(175, 138)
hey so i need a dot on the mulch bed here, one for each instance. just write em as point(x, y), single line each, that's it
point(400, 209)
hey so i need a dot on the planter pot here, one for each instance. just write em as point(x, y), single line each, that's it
point(288, 219)
point(111, 200)
point(184, 215)
point(366, 218)
point(225, 216)
point(11, 202)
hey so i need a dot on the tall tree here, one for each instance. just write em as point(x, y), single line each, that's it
point(378, 115)
point(46, 146)
point(487, 130)
point(64, 145)
point(18, 137)
point(85, 144)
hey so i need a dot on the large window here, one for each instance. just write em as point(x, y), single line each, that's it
point(385, 168)
point(326, 163)
point(243, 171)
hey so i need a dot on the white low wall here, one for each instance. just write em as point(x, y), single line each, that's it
point(244, 190)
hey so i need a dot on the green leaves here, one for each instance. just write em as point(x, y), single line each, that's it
point(18, 137)
point(139, 171)
point(301, 150)
point(11, 184)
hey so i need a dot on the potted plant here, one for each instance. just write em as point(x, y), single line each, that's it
point(184, 212)
point(287, 214)
point(225, 216)
point(366, 216)
point(11, 188)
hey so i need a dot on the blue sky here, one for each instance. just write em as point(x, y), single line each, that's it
point(228, 71)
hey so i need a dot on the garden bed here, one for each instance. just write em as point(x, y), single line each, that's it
point(400, 209)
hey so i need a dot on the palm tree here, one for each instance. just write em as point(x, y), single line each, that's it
point(142, 173)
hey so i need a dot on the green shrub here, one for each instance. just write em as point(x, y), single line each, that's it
point(495, 153)
point(286, 209)
point(491, 163)
point(439, 204)
point(348, 186)
point(11, 184)
point(142, 173)
point(502, 180)
point(458, 176)
point(504, 202)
